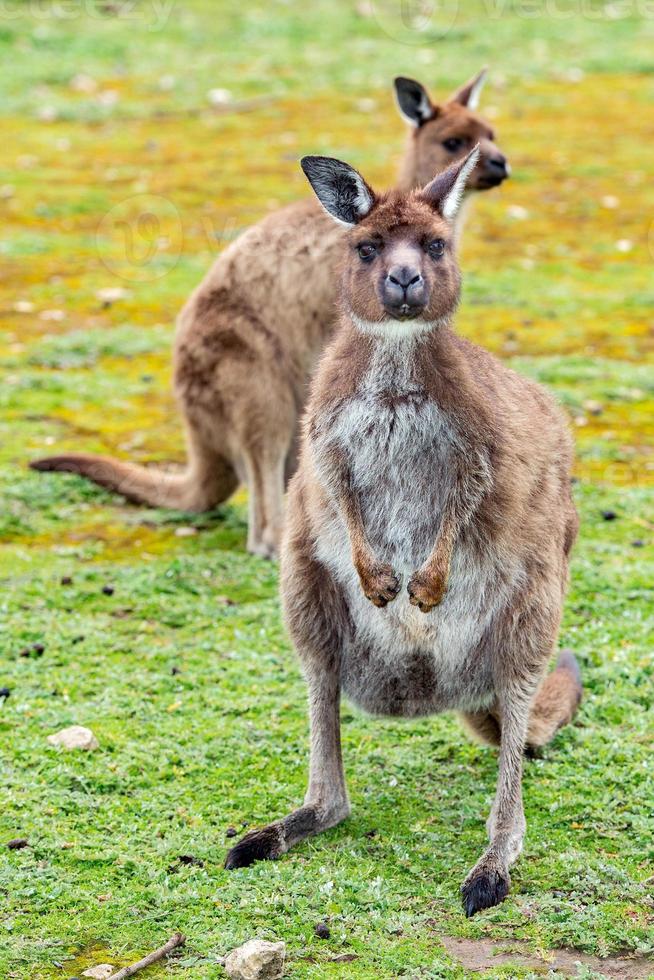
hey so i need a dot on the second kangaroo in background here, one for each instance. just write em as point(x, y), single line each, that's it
point(249, 337)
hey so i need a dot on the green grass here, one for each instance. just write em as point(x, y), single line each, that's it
point(222, 742)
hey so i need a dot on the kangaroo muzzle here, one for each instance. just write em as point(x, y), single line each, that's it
point(404, 293)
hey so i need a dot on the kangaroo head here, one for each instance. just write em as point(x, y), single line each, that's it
point(401, 265)
point(445, 133)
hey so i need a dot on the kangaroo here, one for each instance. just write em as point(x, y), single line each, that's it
point(249, 337)
point(430, 521)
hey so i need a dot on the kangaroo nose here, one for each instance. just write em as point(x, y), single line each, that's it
point(404, 276)
point(498, 163)
point(403, 292)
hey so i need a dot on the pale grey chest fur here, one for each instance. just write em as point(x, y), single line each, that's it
point(400, 449)
point(402, 452)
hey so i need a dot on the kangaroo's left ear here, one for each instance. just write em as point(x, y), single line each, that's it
point(468, 94)
point(341, 190)
point(413, 101)
point(446, 189)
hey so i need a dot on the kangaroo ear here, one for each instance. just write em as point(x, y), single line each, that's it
point(446, 189)
point(341, 190)
point(413, 101)
point(468, 94)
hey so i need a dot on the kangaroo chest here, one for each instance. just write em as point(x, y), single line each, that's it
point(404, 453)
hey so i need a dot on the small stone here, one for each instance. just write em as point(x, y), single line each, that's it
point(609, 515)
point(185, 532)
point(111, 294)
point(17, 843)
point(75, 737)
point(231, 832)
point(574, 74)
point(83, 83)
point(108, 98)
point(66, 580)
point(38, 649)
point(322, 930)
point(256, 960)
point(100, 972)
point(595, 408)
point(4, 692)
point(108, 589)
point(55, 315)
point(517, 212)
point(175, 671)
point(23, 306)
point(224, 600)
point(219, 96)
point(638, 543)
point(47, 113)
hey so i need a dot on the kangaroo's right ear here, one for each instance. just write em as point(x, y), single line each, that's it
point(446, 189)
point(413, 101)
point(341, 190)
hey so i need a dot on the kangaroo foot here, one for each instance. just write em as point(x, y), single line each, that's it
point(483, 888)
point(269, 843)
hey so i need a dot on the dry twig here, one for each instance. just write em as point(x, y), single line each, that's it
point(128, 971)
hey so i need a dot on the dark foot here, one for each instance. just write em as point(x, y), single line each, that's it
point(486, 889)
point(257, 845)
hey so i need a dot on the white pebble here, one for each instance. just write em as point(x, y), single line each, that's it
point(256, 960)
point(517, 212)
point(219, 96)
point(99, 972)
point(75, 737)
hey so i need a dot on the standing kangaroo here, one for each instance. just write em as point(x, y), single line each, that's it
point(429, 525)
point(250, 335)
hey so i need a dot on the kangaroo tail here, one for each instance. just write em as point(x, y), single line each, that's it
point(554, 705)
point(207, 481)
point(556, 701)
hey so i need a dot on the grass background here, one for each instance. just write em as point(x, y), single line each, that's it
point(106, 115)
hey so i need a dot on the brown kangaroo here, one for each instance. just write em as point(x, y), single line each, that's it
point(429, 525)
point(250, 335)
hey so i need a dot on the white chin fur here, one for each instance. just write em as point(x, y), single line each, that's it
point(395, 329)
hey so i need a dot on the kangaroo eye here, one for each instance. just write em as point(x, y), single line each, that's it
point(436, 248)
point(453, 144)
point(366, 251)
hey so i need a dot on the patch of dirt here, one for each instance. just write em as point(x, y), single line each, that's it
point(482, 954)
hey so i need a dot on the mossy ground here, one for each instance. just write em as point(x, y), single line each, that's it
point(558, 267)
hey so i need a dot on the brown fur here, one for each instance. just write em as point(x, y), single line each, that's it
point(429, 527)
point(248, 340)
